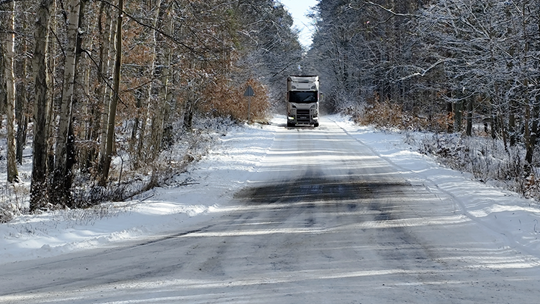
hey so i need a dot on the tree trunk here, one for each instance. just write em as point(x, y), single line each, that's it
point(39, 165)
point(99, 109)
point(450, 117)
point(154, 108)
point(166, 78)
point(21, 117)
point(21, 108)
point(494, 122)
point(82, 91)
point(108, 50)
point(470, 107)
point(53, 103)
point(188, 113)
point(530, 143)
point(512, 122)
point(2, 85)
point(458, 116)
point(62, 186)
point(164, 104)
point(531, 115)
point(9, 77)
point(116, 87)
point(136, 132)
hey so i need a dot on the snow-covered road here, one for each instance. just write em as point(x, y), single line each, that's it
point(327, 215)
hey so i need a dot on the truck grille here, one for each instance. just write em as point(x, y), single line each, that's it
point(302, 116)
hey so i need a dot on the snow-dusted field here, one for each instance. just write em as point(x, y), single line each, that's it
point(443, 239)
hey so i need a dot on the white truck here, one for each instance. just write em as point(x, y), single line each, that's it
point(303, 100)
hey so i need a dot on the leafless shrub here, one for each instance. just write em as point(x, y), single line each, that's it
point(486, 159)
point(391, 115)
point(12, 201)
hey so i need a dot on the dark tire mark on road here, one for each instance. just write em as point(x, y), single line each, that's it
point(360, 201)
point(312, 189)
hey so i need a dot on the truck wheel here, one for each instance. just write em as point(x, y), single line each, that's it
point(289, 125)
point(316, 125)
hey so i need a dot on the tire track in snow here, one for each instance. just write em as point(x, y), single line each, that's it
point(507, 236)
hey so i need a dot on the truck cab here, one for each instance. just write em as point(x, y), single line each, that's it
point(303, 100)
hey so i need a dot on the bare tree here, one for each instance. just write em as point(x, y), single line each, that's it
point(22, 105)
point(62, 176)
point(9, 76)
point(107, 157)
point(39, 165)
point(186, 59)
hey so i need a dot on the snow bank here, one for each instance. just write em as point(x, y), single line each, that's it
point(209, 187)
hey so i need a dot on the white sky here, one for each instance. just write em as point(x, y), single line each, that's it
point(298, 10)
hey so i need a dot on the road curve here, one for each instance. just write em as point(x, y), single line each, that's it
point(323, 220)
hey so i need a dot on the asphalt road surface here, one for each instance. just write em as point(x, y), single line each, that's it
point(324, 220)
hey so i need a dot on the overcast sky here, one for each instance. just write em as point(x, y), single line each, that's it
point(298, 9)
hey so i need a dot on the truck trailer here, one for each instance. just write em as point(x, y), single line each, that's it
point(303, 100)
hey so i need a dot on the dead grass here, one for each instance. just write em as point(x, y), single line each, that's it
point(229, 101)
point(390, 115)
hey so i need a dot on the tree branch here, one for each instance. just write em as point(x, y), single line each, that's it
point(423, 72)
point(8, 1)
point(105, 80)
point(389, 10)
point(153, 28)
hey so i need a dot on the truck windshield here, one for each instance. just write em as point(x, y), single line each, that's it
point(303, 97)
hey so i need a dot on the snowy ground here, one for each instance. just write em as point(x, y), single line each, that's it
point(225, 171)
point(511, 221)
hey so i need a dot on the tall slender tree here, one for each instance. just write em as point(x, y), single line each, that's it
point(39, 165)
point(9, 77)
point(62, 176)
point(22, 104)
point(107, 157)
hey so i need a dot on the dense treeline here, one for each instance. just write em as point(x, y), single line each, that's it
point(446, 65)
point(87, 80)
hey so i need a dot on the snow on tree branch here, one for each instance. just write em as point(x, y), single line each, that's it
point(423, 72)
point(9, 1)
point(389, 10)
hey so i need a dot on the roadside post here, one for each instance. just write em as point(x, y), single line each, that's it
point(249, 93)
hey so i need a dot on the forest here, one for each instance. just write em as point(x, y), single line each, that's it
point(85, 82)
point(88, 82)
point(467, 71)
